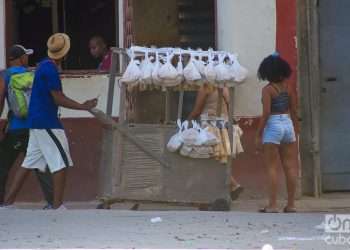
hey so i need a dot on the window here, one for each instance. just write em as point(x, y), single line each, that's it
point(31, 22)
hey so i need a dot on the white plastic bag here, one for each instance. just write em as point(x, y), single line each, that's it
point(133, 72)
point(237, 71)
point(222, 71)
point(155, 77)
point(241, 73)
point(200, 65)
point(189, 135)
point(167, 71)
point(201, 152)
point(175, 141)
point(185, 150)
point(180, 71)
point(191, 73)
point(209, 71)
point(207, 138)
point(146, 69)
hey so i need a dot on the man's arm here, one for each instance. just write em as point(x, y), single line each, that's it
point(63, 101)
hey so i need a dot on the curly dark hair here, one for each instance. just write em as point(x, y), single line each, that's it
point(274, 69)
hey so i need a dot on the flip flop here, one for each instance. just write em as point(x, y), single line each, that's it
point(236, 193)
point(289, 210)
point(268, 210)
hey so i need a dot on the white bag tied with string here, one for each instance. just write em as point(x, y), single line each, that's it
point(133, 72)
point(209, 71)
point(155, 77)
point(167, 71)
point(146, 69)
point(180, 71)
point(222, 71)
point(191, 73)
point(189, 135)
point(240, 73)
point(200, 65)
point(207, 138)
point(175, 141)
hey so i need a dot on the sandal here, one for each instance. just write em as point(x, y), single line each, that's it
point(268, 210)
point(236, 193)
point(289, 210)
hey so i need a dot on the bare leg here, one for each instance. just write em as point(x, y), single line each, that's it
point(21, 175)
point(59, 182)
point(234, 183)
point(236, 189)
point(289, 158)
point(271, 159)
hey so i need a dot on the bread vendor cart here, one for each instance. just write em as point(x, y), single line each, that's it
point(135, 164)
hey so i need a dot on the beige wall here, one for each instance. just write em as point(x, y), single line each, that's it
point(247, 27)
point(2, 35)
point(83, 88)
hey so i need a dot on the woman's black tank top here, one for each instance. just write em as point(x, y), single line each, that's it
point(280, 103)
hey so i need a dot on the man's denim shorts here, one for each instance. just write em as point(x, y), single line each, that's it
point(279, 129)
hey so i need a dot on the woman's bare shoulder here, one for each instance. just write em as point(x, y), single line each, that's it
point(267, 88)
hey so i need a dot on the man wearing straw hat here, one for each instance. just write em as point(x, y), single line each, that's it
point(48, 145)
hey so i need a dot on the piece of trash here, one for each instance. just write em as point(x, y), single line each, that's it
point(265, 231)
point(156, 220)
point(314, 238)
point(320, 227)
point(267, 247)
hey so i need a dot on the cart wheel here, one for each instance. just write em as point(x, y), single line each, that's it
point(135, 207)
point(103, 206)
point(203, 207)
point(220, 205)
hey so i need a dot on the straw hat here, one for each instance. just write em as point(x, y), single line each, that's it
point(58, 46)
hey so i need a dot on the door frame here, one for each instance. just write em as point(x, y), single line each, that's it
point(309, 85)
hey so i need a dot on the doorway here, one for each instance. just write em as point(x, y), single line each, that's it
point(31, 22)
point(334, 23)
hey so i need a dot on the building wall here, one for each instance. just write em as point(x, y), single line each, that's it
point(2, 35)
point(248, 28)
point(251, 28)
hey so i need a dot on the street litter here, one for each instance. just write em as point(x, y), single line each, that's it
point(314, 238)
point(267, 247)
point(156, 220)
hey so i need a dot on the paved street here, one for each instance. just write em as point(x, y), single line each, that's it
point(25, 228)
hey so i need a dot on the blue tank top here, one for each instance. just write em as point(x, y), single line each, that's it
point(280, 103)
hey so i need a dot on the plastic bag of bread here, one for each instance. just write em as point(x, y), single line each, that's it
point(175, 141)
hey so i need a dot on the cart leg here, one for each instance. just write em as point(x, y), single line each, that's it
point(135, 207)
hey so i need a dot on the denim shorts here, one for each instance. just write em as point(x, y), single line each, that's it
point(279, 129)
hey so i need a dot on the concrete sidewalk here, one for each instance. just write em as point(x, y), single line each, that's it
point(82, 226)
point(26, 228)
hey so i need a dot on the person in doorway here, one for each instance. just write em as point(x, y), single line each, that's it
point(48, 145)
point(15, 135)
point(100, 51)
point(206, 105)
point(278, 128)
